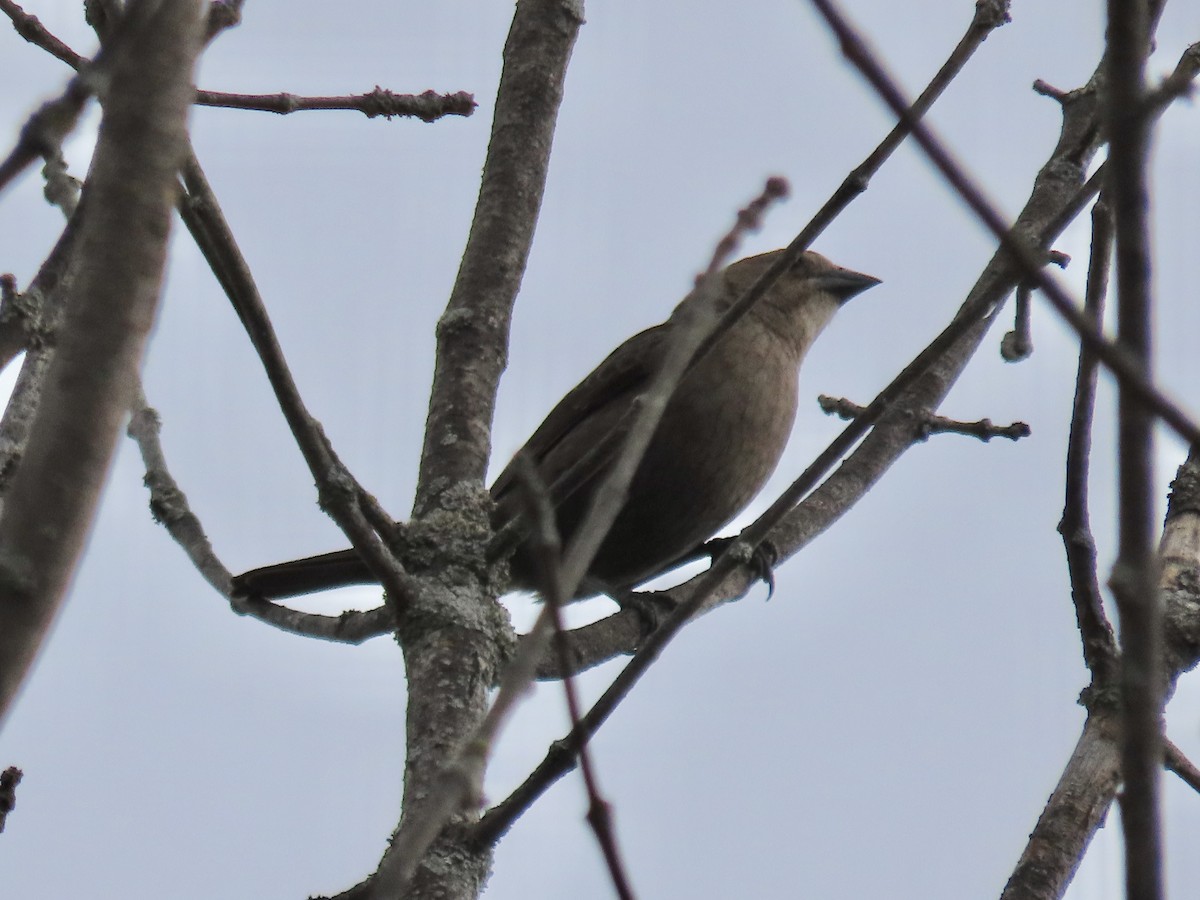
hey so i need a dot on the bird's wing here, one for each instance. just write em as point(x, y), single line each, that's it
point(614, 383)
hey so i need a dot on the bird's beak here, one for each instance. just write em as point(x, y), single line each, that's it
point(846, 283)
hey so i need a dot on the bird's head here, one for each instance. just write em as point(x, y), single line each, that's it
point(804, 298)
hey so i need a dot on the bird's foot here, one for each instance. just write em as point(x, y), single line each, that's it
point(760, 560)
point(651, 607)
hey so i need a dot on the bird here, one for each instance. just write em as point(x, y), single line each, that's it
point(721, 436)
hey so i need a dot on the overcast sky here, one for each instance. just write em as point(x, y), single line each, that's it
point(889, 725)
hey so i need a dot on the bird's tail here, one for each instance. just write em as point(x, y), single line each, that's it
point(304, 576)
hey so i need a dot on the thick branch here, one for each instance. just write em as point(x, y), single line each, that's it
point(455, 625)
point(121, 257)
point(473, 331)
point(1089, 782)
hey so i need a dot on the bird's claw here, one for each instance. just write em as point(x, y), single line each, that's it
point(651, 607)
point(761, 559)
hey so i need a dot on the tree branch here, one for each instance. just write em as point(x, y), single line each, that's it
point(123, 249)
point(1089, 781)
point(170, 508)
point(459, 622)
point(427, 106)
point(338, 491)
point(1099, 644)
point(473, 331)
point(1133, 576)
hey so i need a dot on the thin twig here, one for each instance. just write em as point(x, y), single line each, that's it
point(428, 106)
point(31, 28)
point(1017, 345)
point(43, 133)
point(1177, 762)
point(989, 15)
point(168, 504)
point(547, 548)
point(927, 423)
point(170, 508)
point(340, 494)
point(1133, 580)
point(1099, 645)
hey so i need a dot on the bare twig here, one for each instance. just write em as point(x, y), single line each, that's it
point(1177, 762)
point(1018, 343)
point(43, 134)
point(350, 627)
point(547, 547)
point(340, 494)
point(428, 106)
point(927, 423)
point(1099, 645)
point(169, 506)
point(1133, 578)
point(1048, 90)
point(31, 28)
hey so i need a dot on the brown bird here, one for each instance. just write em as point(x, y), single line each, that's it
point(720, 438)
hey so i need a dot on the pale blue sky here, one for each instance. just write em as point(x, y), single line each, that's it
point(888, 726)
